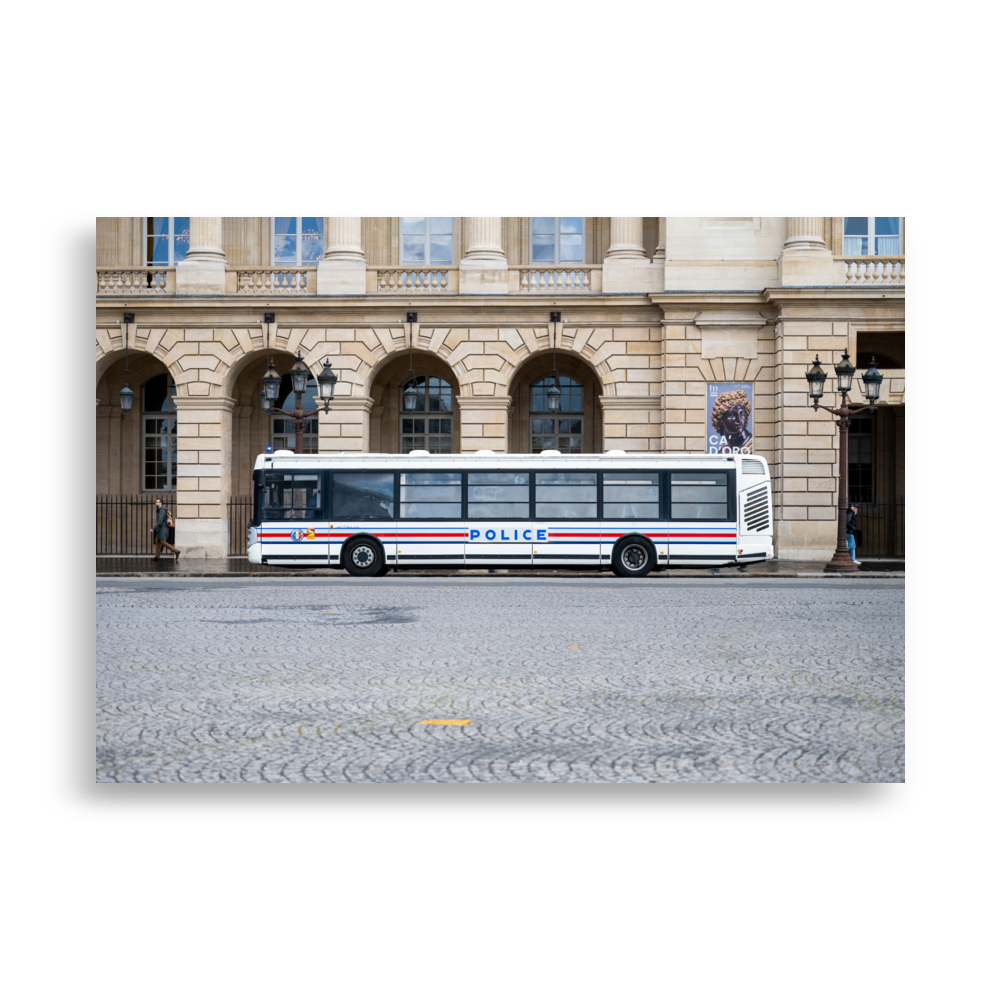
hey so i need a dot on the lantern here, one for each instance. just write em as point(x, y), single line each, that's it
point(816, 378)
point(873, 381)
point(845, 374)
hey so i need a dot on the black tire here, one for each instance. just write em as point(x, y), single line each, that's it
point(385, 569)
point(362, 557)
point(633, 556)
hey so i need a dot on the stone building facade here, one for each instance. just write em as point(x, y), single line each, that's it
point(651, 312)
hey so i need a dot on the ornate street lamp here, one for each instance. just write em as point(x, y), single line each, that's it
point(815, 376)
point(845, 374)
point(553, 396)
point(300, 380)
point(125, 394)
point(410, 392)
point(327, 381)
point(873, 382)
point(272, 383)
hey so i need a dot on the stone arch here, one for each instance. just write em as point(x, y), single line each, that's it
point(538, 366)
point(119, 441)
point(386, 384)
point(251, 425)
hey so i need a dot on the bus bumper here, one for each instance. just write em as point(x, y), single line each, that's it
point(756, 550)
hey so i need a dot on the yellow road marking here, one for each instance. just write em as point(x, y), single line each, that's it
point(445, 722)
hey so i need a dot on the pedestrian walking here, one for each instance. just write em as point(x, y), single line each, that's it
point(853, 532)
point(161, 530)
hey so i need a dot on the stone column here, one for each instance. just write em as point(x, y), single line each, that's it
point(484, 422)
point(661, 243)
point(204, 474)
point(805, 259)
point(342, 269)
point(805, 233)
point(203, 269)
point(626, 267)
point(483, 269)
point(626, 238)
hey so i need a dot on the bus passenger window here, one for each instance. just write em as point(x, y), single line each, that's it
point(498, 494)
point(699, 496)
point(289, 496)
point(430, 494)
point(565, 494)
point(631, 494)
point(363, 495)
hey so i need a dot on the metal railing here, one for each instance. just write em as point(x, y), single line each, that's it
point(883, 530)
point(239, 511)
point(123, 523)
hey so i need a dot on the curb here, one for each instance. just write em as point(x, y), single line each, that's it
point(540, 574)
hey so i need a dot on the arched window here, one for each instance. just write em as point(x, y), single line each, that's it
point(428, 426)
point(562, 430)
point(159, 438)
point(557, 239)
point(426, 240)
point(297, 240)
point(875, 235)
point(167, 239)
point(282, 431)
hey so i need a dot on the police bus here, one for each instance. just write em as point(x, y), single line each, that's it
point(628, 513)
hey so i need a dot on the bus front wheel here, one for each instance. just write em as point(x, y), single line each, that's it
point(363, 557)
point(633, 557)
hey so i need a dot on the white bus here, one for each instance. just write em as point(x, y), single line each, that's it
point(628, 513)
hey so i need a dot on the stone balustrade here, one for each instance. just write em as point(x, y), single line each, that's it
point(870, 270)
point(586, 278)
point(124, 281)
point(416, 280)
point(271, 281)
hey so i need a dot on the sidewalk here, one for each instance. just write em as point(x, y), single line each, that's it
point(144, 566)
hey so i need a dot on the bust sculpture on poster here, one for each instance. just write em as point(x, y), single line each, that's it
point(730, 417)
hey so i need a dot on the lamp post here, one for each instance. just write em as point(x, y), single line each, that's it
point(815, 376)
point(410, 392)
point(553, 396)
point(326, 380)
point(125, 394)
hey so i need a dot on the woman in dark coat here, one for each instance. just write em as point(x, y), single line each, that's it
point(161, 531)
point(852, 531)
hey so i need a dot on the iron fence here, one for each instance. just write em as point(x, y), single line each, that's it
point(240, 511)
point(883, 530)
point(123, 523)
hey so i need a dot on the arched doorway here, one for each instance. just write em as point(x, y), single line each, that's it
point(576, 427)
point(253, 429)
point(136, 454)
point(433, 425)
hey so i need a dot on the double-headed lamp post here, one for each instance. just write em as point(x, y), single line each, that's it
point(299, 373)
point(815, 376)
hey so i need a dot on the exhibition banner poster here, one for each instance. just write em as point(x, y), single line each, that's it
point(730, 418)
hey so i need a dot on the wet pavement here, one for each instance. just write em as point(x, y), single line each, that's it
point(241, 566)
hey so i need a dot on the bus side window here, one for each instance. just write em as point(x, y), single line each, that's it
point(699, 496)
point(369, 495)
point(631, 494)
point(293, 496)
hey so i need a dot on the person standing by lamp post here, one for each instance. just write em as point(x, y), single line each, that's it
point(852, 532)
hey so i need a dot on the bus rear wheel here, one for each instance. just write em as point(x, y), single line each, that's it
point(363, 557)
point(633, 557)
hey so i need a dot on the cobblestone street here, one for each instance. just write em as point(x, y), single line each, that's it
point(561, 681)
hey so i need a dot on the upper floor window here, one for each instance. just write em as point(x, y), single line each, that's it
point(426, 240)
point(297, 240)
point(565, 431)
point(871, 235)
point(557, 240)
point(167, 238)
